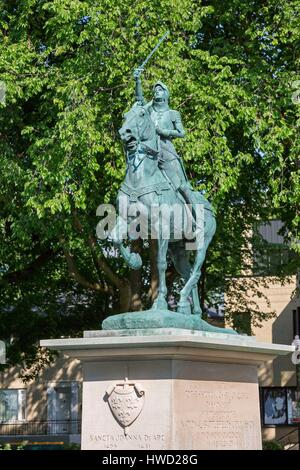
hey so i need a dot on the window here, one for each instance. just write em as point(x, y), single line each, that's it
point(274, 406)
point(271, 254)
point(12, 405)
point(296, 322)
point(280, 406)
point(242, 323)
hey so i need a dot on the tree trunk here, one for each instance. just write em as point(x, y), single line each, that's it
point(125, 296)
point(153, 250)
point(135, 280)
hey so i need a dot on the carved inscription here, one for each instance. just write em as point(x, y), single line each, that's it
point(221, 418)
point(114, 441)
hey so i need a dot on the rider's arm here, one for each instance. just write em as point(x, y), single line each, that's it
point(138, 87)
point(178, 130)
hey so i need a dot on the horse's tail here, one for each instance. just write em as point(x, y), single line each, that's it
point(133, 260)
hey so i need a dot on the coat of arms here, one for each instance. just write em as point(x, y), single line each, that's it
point(126, 400)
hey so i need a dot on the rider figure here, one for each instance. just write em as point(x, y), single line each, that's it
point(168, 126)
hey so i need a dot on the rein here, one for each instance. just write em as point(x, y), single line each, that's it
point(148, 151)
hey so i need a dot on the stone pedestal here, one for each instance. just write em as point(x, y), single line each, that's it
point(169, 389)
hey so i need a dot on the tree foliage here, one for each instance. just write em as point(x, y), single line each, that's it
point(67, 67)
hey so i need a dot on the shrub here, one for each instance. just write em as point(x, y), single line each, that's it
point(272, 445)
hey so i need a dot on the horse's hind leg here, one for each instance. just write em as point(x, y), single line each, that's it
point(160, 302)
point(191, 285)
point(196, 302)
point(180, 258)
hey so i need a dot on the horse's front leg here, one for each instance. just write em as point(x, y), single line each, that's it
point(117, 235)
point(160, 302)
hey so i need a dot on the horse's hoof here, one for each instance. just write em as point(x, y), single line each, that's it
point(197, 312)
point(184, 307)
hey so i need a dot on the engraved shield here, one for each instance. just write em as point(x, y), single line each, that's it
point(126, 401)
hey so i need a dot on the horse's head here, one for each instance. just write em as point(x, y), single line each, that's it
point(137, 127)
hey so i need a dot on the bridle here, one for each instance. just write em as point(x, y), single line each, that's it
point(148, 151)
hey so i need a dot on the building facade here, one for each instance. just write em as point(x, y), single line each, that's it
point(45, 411)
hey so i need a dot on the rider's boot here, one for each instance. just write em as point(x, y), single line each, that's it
point(189, 196)
point(187, 192)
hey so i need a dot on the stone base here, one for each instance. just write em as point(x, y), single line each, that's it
point(150, 319)
point(187, 405)
point(173, 392)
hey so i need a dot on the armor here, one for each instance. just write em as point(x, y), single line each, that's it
point(169, 126)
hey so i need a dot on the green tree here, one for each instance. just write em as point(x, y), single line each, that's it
point(67, 67)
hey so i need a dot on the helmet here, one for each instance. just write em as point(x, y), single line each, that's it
point(163, 86)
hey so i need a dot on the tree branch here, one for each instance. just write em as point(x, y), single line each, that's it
point(29, 270)
point(99, 261)
point(78, 277)
point(123, 285)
